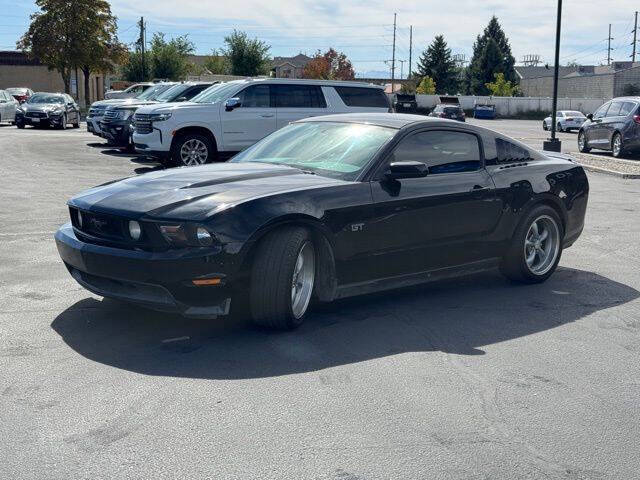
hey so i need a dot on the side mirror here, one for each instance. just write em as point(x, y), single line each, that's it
point(590, 116)
point(232, 103)
point(409, 169)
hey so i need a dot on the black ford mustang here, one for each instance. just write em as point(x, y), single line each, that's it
point(326, 208)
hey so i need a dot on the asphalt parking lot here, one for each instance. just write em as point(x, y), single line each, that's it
point(474, 378)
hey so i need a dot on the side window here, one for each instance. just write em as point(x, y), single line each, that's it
point(193, 91)
point(299, 96)
point(614, 109)
point(255, 96)
point(508, 152)
point(363, 97)
point(602, 111)
point(442, 151)
point(627, 108)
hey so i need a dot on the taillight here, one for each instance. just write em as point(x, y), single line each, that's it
point(636, 118)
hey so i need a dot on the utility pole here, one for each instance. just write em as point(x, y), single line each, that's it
point(553, 144)
point(402, 62)
point(635, 38)
point(609, 47)
point(393, 56)
point(411, 45)
point(142, 45)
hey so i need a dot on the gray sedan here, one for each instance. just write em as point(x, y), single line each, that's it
point(566, 120)
point(8, 107)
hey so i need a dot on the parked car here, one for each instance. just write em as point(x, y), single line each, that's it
point(8, 107)
point(326, 207)
point(450, 111)
point(130, 92)
point(21, 94)
point(49, 109)
point(566, 120)
point(485, 111)
point(615, 126)
point(116, 123)
point(232, 116)
point(405, 103)
point(97, 109)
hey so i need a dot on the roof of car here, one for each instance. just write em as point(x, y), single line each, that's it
point(303, 81)
point(392, 120)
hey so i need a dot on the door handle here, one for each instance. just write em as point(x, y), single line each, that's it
point(480, 188)
point(268, 115)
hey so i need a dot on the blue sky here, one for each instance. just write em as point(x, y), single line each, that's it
point(363, 29)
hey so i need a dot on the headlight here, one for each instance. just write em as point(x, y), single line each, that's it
point(159, 117)
point(184, 235)
point(134, 230)
point(124, 114)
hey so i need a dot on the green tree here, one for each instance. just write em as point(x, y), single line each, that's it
point(169, 59)
point(491, 55)
point(437, 63)
point(247, 56)
point(501, 87)
point(131, 69)
point(218, 64)
point(70, 34)
point(427, 86)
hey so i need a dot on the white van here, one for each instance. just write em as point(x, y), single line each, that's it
point(232, 116)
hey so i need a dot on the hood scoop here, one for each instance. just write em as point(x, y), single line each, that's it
point(243, 177)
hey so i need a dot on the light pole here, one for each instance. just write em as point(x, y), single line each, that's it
point(553, 144)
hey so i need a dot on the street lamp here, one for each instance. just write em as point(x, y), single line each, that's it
point(553, 144)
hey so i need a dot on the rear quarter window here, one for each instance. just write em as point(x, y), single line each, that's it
point(363, 97)
point(508, 152)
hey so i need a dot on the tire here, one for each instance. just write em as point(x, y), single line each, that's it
point(76, 125)
point(20, 125)
point(63, 125)
point(617, 146)
point(583, 146)
point(278, 297)
point(530, 258)
point(544, 126)
point(559, 127)
point(202, 152)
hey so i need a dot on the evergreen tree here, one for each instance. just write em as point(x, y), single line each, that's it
point(491, 55)
point(436, 62)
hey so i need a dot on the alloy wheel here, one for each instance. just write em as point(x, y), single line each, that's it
point(582, 141)
point(541, 245)
point(194, 152)
point(302, 280)
point(617, 145)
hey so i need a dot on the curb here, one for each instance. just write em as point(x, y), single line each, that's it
point(606, 171)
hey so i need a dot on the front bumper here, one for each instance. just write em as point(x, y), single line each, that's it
point(118, 132)
point(150, 143)
point(49, 121)
point(157, 280)
point(93, 125)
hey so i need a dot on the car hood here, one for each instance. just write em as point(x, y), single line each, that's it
point(172, 107)
point(195, 193)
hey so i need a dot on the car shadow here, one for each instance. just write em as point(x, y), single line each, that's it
point(458, 316)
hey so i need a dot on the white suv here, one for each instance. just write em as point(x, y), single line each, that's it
point(229, 117)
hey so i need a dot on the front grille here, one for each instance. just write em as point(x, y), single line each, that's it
point(110, 115)
point(37, 114)
point(142, 123)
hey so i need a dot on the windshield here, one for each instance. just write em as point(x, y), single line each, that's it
point(153, 92)
point(215, 93)
point(45, 98)
point(17, 91)
point(337, 150)
point(172, 93)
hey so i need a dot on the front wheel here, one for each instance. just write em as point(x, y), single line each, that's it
point(536, 247)
point(282, 279)
point(63, 122)
point(20, 125)
point(544, 126)
point(560, 129)
point(191, 150)
point(583, 146)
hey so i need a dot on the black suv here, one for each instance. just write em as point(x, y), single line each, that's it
point(615, 126)
point(116, 126)
point(450, 111)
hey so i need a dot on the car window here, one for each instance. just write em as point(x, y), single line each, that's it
point(255, 96)
point(195, 90)
point(573, 113)
point(442, 151)
point(614, 109)
point(299, 96)
point(627, 108)
point(363, 97)
point(509, 152)
point(602, 111)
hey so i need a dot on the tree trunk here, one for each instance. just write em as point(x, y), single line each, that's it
point(66, 78)
point(86, 72)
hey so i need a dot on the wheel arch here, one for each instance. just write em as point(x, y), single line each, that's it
point(194, 129)
point(326, 281)
point(549, 200)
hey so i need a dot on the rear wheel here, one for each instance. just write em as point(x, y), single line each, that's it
point(544, 126)
point(191, 150)
point(617, 149)
point(583, 146)
point(282, 279)
point(536, 247)
point(560, 129)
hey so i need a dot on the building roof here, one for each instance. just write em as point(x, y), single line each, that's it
point(299, 60)
point(13, 57)
point(537, 72)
